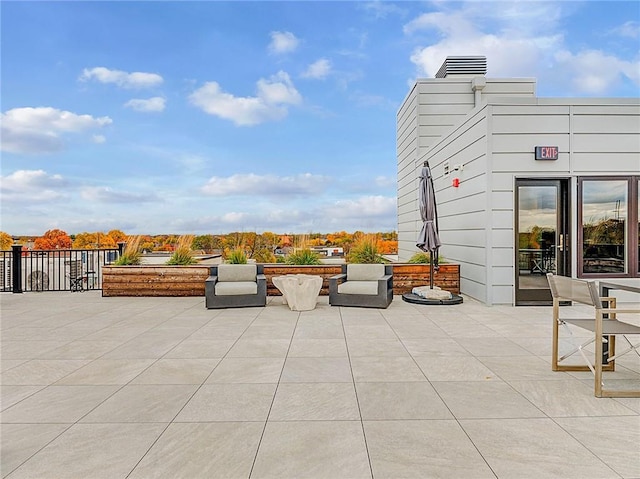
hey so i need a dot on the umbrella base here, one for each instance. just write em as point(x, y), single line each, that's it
point(415, 299)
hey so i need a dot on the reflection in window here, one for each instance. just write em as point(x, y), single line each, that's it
point(537, 223)
point(604, 215)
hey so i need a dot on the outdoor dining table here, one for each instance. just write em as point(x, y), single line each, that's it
point(299, 291)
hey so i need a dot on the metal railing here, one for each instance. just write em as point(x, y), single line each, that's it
point(54, 270)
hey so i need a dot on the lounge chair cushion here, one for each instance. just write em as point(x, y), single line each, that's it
point(236, 272)
point(231, 288)
point(359, 287)
point(364, 272)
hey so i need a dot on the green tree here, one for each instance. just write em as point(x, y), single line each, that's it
point(204, 242)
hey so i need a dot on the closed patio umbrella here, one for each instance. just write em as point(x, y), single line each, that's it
point(428, 239)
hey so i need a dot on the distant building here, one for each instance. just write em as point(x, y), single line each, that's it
point(524, 185)
point(328, 251)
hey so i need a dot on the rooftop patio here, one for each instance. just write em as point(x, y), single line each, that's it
point(97, 387)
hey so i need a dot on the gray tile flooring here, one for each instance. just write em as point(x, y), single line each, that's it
point(114, 388)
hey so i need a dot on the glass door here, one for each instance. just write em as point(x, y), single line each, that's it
point(542, 245)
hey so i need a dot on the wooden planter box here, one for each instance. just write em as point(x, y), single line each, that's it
point(150, 280)
point(153, 280)
point(408, 276)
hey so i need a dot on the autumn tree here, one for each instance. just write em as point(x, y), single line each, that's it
point(272, 240)
point(342, 239)
point(117, 236)
point(317, 242)
point(390, 236)
point(53, 239)
point(5, 241)
point(93, 240)
point(147, 243)
point(388, 246)
point(207, 243)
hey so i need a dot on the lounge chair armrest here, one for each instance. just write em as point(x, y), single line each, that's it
point(261, 277)
point(385, 283)
point(212, 279)
point(333, 283)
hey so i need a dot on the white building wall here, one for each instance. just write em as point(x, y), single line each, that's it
point(495, 144)
point(432, 109)
point(462, 211)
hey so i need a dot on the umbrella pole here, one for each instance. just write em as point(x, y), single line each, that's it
point(430, 269)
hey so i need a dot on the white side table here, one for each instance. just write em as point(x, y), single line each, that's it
point(299, 291)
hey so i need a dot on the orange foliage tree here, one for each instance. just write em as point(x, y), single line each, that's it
point(93, 241)
point(53, 239)
point(5, 241)
point(117, 236)
point(388, 246)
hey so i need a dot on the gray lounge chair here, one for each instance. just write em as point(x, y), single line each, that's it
point(235, 286)
point(362, 285)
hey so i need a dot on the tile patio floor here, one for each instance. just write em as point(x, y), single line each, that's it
point(114, 388)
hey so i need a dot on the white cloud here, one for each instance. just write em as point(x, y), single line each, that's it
point(270, 103)
point(628, 29)
point(594, 72)
point(121, 78)
point(234, 218)
point(105, 194)
point(154, 104)
point(508, 53)
point(526, 36)
point(272, 220)
point(32, 186)
point(39, 130)
point(382, 9)
point(365, 207)
point(318, 70)
point(271, 185)
point(386, 181)
point(283, 42)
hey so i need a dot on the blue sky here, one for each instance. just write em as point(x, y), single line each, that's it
point(211, 117)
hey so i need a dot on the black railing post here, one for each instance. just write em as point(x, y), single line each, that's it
point(121, 248)
point(16, 266)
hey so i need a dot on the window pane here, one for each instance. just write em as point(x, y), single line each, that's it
point(537, 224)
point(604, 216)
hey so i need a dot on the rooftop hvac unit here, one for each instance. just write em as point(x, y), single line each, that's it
point(463, 66)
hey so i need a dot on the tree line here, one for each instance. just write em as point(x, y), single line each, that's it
point(259, 246)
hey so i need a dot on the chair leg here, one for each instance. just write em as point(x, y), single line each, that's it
point(611, 346)
point(632, 347)
point(554, 354)
point(598, 358)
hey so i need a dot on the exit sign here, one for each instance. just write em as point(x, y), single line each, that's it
point(546, 152)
